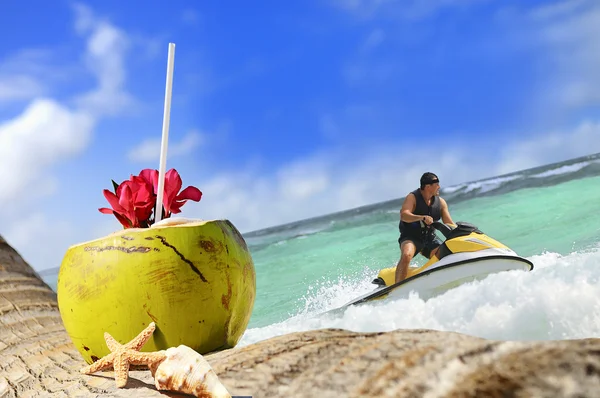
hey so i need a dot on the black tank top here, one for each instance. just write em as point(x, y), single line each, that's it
point(418, 229)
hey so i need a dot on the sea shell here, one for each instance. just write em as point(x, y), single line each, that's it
point(184, 370)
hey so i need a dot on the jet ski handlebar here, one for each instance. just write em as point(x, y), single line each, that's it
point(443, 228)
point(461, 227)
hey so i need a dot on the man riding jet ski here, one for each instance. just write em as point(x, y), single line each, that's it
point(471, 253)
point(419, 218)
point(465, 255)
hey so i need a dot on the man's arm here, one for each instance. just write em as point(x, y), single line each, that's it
point(446, 213)
point(409, 205)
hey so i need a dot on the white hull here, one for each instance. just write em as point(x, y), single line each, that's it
point(441, 278)
point(450, 272)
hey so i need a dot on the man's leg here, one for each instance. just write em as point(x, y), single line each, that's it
point(407, 252)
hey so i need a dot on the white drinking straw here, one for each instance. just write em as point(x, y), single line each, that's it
point(165, 135)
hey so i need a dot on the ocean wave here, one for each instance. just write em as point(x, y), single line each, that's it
point(540, 176)
point(280, 237)
point(567, 169)
point(481, 186)
point(559, 299)
point(490, 185)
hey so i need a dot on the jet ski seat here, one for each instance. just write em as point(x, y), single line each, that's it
point(462, 229)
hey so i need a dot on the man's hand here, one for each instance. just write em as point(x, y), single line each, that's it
point(428, 220)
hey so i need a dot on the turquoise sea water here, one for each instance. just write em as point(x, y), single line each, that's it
point(550, 214)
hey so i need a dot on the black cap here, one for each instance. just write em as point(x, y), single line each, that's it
point(429, 178)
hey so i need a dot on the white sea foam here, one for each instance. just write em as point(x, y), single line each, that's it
point(313, 229)
point(490, 185)
point(481, 186)
point(572, 168)
point(559, 299)
point(453, 188)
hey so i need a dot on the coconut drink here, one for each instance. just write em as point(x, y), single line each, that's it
point(194, 279)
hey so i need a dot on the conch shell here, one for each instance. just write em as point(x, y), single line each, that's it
point(184, 370)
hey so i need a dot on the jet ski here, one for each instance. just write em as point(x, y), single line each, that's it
point(466, 254)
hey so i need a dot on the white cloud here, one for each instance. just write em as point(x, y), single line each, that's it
point(560, 39)
point(363, 68)
point(37, 238)
point(335, 181)
point(322, 184)
point(405, 9)
point(42, 239)
point(44, 134)
point(47, 132)
point(190, 17)
point(569, 31)
point(303, 180)
point(558, 9)
point(85, 20)
point(551, 147)
point(106, 49)
point(149, 150)
point(25, 75)
point(19, 87)
point(29, 61)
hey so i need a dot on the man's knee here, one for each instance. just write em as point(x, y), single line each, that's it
point(407, 250)
point(407, 256)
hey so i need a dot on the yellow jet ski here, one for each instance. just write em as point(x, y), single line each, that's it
point(467, 254)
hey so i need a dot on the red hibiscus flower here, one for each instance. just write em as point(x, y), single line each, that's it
point(134, 200)
point(128, 204)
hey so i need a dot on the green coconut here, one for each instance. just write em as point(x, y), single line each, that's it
point(194, 279)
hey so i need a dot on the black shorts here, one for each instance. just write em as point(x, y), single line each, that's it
point(424, 246)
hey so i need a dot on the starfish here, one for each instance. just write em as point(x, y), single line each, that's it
point(122, 356)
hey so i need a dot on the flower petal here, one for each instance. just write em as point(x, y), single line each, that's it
point(190, 193)
point(112, 199)
point(141, 190)
point(173, 184)
point(150, 176)
point(125, 222)
point(126, 201)
point(122, 219)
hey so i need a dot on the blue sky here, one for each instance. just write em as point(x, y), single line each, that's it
point(281, 110)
